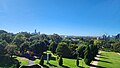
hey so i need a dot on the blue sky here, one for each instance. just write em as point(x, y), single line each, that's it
point(66, 17)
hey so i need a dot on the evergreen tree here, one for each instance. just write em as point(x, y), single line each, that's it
point(87, 56)
point(77, 62)
point(42, 61)
point(60, 61)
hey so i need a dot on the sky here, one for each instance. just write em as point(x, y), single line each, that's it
point(64, 17)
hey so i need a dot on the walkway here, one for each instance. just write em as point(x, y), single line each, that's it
point(118, 53)
point(94, 63)
point(30, 62)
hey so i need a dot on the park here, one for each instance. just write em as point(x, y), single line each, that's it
point(50, 51)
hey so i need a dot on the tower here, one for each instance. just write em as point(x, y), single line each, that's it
point(35, 31)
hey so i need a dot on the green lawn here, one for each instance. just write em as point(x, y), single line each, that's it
point(109, 60)
point(23, 62)
point(66, 63)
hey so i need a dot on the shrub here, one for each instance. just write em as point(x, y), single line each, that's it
point(42, 60)
point(60, 61)
point(77, 62)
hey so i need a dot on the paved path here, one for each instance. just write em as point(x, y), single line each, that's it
point(30, 62)
point(95, 62)
point(118, 53)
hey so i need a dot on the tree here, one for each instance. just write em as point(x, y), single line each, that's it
point(38, 47)
point(87, 55)
point(3, 44)
point(77, 62)
point(60, 61)
point(44, 37)
point(116, 47)
point(27, 35)
point(80, 50)
point(73, 48)
point(42, 60)
point(24, 47)
point(11, 49)
point(2, 31)
point(52, 47)
point(55, 37)
point(19, 39)
point(8, 37)
point(62, 49)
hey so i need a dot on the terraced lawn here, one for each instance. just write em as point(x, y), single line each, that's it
point(109, 60)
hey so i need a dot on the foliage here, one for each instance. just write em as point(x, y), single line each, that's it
point(52, 47)
point(77, 62)
point(60, 61)
point(80, 50)
point(42, 61)
point(8, 62)
point(8, 37)
point(55, 37)
point(19, 39)
point(24, 46)
point(38, 47)
point(116, 47)
point(62, 49)
point(11, 49)
point(87, 55)
point(3, 44)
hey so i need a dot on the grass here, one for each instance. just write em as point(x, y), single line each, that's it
point(66, 63)
point(109, 60)
point(23, 62)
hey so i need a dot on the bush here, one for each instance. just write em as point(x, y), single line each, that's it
point(42, 61)
point(77, 62)
point(60, 61)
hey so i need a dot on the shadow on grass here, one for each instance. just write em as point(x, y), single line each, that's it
point(45, 66)
point(103, 57)
point(65, 66)
point(52, 65)
point(103, 61)
point(80, 67)
point(52, 58)
point(97, 66)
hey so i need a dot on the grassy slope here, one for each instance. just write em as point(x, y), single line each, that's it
point(109, 60)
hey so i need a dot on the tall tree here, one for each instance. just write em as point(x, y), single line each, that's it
point(81, 50)
point(87, 55)
point(53, 47)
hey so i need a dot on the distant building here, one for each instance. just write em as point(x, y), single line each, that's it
point(36, 33)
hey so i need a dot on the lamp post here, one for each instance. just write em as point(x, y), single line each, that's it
point(47, 58)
